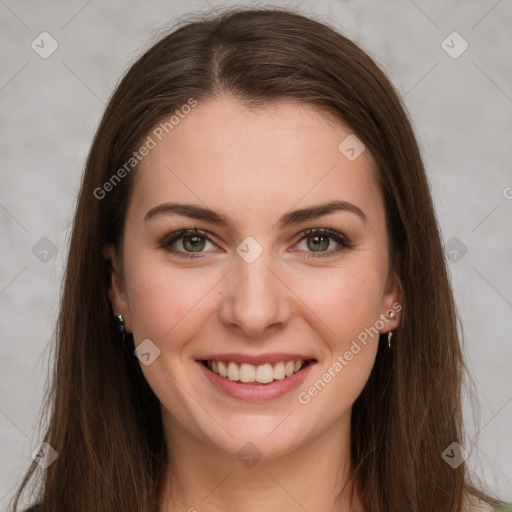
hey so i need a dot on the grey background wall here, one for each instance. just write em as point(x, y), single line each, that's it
point(460, 100)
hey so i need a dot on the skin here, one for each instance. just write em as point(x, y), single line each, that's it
point(254, 166)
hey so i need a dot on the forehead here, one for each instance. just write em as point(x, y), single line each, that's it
point(262, 162)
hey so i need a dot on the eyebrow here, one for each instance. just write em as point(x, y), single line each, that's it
point(288, 219)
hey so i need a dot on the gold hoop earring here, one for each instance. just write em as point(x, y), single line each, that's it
point(390, 334)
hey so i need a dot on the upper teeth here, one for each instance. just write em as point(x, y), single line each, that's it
point(264, 373)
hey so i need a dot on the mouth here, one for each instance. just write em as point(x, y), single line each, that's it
point(257, 375)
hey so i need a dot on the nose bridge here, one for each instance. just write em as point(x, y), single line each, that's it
point(255, 298)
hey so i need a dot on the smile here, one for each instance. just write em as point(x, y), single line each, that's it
point(251, 374)
point(265, 381)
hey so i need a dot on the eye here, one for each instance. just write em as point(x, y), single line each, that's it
point(318, 240)
point(193, 242)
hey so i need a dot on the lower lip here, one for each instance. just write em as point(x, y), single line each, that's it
point(260, 392)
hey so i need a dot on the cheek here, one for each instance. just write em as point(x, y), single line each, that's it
point(347, 306)
point(342, 302)
point(164, 301)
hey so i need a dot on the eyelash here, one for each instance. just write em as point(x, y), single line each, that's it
point(170, 238)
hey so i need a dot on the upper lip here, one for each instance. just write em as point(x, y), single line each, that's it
point(256, 360)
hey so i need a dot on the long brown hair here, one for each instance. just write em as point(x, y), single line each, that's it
point(104, 420)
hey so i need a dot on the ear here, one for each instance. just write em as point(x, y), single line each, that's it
point(392, 299)
point(117, 289)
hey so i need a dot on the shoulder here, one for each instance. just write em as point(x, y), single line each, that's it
point(502, 507)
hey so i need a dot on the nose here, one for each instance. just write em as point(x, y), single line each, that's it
point(256, 299)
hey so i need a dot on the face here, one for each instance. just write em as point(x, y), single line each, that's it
point(250, 285)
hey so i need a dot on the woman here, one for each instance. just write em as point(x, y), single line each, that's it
point(256, 312)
